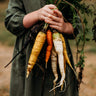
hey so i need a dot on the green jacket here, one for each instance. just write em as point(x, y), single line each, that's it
point(19, 85)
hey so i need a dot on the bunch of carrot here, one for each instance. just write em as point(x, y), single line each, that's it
point(56, 49)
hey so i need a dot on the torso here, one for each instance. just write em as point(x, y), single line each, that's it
point(32, 5)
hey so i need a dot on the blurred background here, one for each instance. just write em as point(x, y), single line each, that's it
point(88, 87)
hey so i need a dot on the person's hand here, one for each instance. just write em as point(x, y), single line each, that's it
point(39, 15)
point(46, 11)
point(51, 15)
point(56, 21)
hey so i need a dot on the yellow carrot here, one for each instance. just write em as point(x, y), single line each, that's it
point(66, 55)
point(39, 42)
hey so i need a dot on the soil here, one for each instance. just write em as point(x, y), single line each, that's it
point(87, 88)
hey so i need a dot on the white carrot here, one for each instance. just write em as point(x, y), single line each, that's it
point(66, 55)
point(57, 41)
point(54, 66)
point(59, 49)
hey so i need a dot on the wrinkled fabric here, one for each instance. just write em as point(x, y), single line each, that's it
point(32, 86)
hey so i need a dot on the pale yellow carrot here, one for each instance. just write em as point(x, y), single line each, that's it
point(54, 66)
point(66, 54)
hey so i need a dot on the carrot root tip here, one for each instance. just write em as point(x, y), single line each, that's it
point(27, 75)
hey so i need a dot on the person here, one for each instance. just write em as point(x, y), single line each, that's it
point(21, 18)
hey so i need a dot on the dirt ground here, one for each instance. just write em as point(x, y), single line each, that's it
point(88, 88)
point(5, 56)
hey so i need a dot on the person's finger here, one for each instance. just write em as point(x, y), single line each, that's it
point(59, 14)
point(51, 6)
point(50, 21)
point(43, 15)
point(47, 10)
point(54, 18)
point(56, 27)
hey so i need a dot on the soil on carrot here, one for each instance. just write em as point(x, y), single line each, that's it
point(87, 88)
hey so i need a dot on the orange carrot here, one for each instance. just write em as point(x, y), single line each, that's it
point(49, 47)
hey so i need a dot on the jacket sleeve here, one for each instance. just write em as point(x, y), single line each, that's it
point(14, 17)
